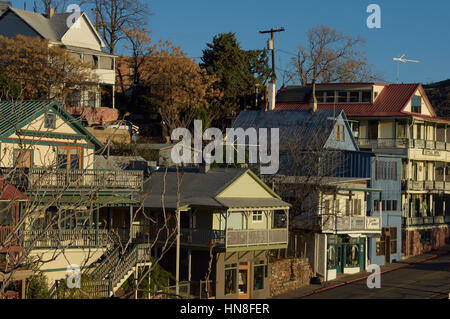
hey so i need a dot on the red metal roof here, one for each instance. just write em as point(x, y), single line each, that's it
point(9, 191)
point(390, 102)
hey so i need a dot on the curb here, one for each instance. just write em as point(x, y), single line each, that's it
point(366, 276)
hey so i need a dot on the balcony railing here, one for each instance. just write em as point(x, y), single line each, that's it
point(4, 232)
point(68, 238)
point(48, 178)
point(425, 220)
point(227, 239)
point(403, 143)
point(425, 185)
point(349, 223)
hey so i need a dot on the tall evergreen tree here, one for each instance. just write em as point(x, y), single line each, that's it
point(240, 73)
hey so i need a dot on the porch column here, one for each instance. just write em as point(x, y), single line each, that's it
point(189, 264)
point(131, 222)
point(96, 226)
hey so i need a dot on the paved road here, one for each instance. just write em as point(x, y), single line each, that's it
point(430, 279)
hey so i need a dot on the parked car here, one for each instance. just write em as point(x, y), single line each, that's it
point(124, 125)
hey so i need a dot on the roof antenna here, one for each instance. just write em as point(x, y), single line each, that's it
point(403, 60)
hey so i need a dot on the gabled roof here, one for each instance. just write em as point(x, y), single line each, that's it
point(14, 115)
point(308, 130)
point(52, 29)
point(390, 102)
point(9, 191)
point(200, 189)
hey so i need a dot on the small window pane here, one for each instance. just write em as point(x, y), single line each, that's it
point(259, 277)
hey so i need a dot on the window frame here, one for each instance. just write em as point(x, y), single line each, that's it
point(259, 215)
point(53, 124)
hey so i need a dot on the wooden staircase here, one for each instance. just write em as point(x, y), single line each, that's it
point(116, 268)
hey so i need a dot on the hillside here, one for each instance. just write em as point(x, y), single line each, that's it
point(439, 95)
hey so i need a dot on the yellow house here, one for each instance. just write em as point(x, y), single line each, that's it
point(227, 212)
point(73, 206)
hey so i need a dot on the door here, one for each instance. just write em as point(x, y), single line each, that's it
point(69, 159)
point(340, 259)
point(244, 280)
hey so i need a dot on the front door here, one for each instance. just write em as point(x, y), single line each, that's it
point(244, 280)
point(340, 259)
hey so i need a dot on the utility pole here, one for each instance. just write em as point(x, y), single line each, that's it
point(272, 47)
point(272, 86)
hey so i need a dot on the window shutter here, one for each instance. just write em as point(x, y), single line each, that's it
point(395, 172)
point(376, 169)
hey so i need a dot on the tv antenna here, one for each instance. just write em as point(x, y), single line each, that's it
point(403, 60)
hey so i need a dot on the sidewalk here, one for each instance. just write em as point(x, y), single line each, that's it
point(347, 279)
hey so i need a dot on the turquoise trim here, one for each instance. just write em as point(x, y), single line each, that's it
point(40, 142)
point(52, 134)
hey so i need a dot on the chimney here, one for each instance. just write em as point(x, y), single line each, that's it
point(50, 12)
point(271, 95)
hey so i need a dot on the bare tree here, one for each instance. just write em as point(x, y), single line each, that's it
point(116, 16)
point(331, 56)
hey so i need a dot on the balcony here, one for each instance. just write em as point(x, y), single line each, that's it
point(425, 221)
point(350, 223)
point(230, 239)
point(437, 186)
point(43, 179)
point(403, 143)
point(68, 238)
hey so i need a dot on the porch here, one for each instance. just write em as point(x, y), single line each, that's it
point(45, 179)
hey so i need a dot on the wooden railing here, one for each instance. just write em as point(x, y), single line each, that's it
point(403, 143)
point(425, 185)
point(38, 179)
point(4, 232)
point(256, 237)
point(340, 223)
point(425, 220)
point(75, 238)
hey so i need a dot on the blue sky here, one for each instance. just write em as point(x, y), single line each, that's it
point(420, 29)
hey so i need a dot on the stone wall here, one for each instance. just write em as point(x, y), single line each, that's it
point(289, 274)
point(419, 241)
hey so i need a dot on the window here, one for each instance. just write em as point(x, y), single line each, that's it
point(230, 279)
point(419, 131)
point(416, 104)
point(50, 121)
point(376, 206)
point(366, 96)
point(388, 237)
point(257, 216)
point(340, 132)
point(329, 96)
point(355, 129)
point(394, 205)
point(258, 282)
point(357, 207)
point(354, 96)
point(347, 207)
point(23, 158)
point(320, 95)
point(342, 97)
point(386, 170)
point(69, 157)
point(352, 253)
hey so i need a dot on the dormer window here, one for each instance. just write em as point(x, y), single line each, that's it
point(50, 121)
point(416, 104)
point(366, 96)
